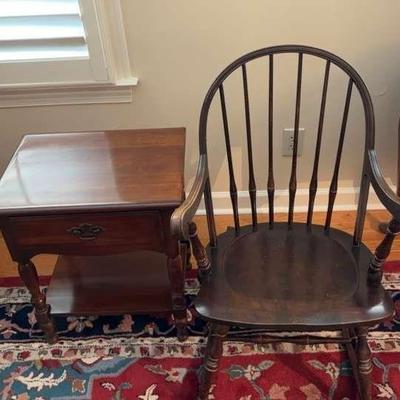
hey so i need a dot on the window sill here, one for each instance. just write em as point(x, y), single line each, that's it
point(67, 94)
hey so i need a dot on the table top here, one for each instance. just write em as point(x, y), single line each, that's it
point(110, 170)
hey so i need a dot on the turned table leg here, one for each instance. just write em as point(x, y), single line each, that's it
point(364, 364)
point(28, 274)
point(177, 278)
point(214, 350)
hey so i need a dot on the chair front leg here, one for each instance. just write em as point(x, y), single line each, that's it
point(364, 364)
point(214, 350)
point(351, 348)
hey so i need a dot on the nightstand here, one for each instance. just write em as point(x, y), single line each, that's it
point(102, 201)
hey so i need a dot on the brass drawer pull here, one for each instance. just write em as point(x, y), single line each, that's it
point(86, 231)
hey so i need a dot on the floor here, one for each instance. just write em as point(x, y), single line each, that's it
point(341, 219)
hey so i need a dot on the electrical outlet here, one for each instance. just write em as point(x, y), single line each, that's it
point(288, 140)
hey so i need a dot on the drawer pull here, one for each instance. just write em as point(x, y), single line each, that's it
point(86, 231)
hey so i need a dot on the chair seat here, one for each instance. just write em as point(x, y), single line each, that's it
point(297, 279)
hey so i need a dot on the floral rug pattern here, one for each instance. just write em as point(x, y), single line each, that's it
point(309, 376)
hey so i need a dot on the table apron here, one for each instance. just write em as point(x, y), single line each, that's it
point(85, 234)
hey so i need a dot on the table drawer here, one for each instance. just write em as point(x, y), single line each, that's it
point(75, 233)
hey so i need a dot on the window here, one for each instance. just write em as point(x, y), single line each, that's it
point(51, 48)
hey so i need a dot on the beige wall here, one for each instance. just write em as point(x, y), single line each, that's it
point(178, 46)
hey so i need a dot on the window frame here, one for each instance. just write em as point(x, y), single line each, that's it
point(111, 80)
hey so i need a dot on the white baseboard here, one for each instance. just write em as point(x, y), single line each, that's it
point(346, 200)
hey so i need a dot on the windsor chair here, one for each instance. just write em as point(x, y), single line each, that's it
point(289, 277)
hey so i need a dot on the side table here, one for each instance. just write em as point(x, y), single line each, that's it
point(103, 202)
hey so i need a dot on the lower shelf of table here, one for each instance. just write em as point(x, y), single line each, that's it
point(110, 285)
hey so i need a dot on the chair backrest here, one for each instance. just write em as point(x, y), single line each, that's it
point(270, 53)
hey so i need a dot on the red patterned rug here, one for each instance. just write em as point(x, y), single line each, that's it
point(138, 357)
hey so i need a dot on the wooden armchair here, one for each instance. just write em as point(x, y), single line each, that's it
point(290, 277)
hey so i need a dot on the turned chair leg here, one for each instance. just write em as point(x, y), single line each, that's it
point(351, 348)
point(199, 252)
point(213, 354)
point(28, 274)
point(364, 364)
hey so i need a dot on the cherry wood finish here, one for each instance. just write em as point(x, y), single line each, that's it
point(29, 276)
point(290, 276)
point(109, 170)
point(94, 197)
point(97, 233)
point(139, 281)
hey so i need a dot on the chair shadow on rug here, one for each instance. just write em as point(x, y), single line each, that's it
point(296, 278)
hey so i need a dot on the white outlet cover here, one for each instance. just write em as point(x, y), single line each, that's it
point(287, 142)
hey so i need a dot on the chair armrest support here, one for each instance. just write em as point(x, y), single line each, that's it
point(392, 203)
point(183, 215)
point(385, 194)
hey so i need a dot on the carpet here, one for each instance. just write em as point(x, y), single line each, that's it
point(138, 357)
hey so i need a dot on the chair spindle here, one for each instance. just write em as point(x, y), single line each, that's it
point(293, 177)
point(314, 177)
point(232, 183)
point(334, 182)
point(252, 182)
point(271, 181)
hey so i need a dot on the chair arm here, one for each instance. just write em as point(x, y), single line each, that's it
point(385, 194)
point(184, 213)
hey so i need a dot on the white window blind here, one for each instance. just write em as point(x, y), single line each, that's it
point(50, 41)
point(63, 52)
point(42, 29)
